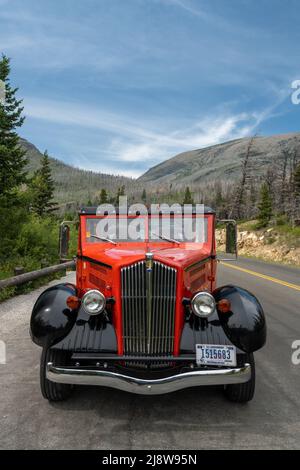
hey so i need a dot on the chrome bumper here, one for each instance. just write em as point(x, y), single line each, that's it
point(126, 383)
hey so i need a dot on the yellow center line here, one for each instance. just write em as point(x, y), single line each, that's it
point(263, 276)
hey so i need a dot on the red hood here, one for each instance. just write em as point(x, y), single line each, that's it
point(125, 254)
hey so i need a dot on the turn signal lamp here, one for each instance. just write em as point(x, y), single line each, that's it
point(224, 306)
point(73, 302)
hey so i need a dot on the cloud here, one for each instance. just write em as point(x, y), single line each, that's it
point(189, 8)
point(213, 19)
point(70, 113)
point(160, 75)
point(131, 146)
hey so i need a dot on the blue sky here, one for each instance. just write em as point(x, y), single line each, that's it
point(118, 86)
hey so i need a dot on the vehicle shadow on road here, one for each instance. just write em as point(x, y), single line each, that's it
point(177, 408)
point(122, 420)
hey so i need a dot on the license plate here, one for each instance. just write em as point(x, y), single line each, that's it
point(215, 355)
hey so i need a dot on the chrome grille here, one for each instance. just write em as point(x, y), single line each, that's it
point(148, 327)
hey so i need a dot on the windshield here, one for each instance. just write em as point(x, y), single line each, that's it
point(143, 228)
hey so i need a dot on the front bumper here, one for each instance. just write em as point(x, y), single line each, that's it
point(163, 385)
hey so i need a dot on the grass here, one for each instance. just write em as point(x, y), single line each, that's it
point(284, 230)
point(38, 244)
point(282, 236)
point(28, 264)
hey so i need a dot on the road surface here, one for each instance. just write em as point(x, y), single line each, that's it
point(191, 419)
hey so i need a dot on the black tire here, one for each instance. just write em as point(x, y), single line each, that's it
point(50, 390)
point(242, 393)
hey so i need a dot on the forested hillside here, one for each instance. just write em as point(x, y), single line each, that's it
point(74, 184)
point(254, 177)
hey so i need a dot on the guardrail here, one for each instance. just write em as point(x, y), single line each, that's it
point(31, 276)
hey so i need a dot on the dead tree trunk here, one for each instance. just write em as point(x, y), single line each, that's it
point(240, 192)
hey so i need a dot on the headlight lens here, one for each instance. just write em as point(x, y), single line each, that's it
point(93, 302)
point(203, 304)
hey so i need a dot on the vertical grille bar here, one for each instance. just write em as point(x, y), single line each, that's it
point(136, 318)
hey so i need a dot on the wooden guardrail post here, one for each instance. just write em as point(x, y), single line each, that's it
point(22, 278)
point(19, 270)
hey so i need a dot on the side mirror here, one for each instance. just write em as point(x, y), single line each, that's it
point(231, 238)
point(230, 241)
point(64, 238)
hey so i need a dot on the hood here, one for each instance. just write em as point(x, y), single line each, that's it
point(127, 253)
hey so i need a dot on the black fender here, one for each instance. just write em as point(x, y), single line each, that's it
point(245, 323)
point(51, 318)
point(90, 334)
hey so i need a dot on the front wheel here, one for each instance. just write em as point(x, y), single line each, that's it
point(50, 390)
point(244, 392)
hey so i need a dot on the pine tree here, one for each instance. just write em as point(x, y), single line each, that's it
point(12, 157)
point(264, 206)
point(218, 197)
point(121, 192)
point(103, 196)
point(144, 195)
point(188, 198)
point(42, 186)
point(297, 190)
point(297, 180)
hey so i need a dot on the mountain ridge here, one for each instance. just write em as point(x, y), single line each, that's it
point(221, 161)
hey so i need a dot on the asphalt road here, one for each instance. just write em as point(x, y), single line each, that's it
point(200, 418)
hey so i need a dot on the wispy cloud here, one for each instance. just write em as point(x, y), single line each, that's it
point(199, 10)
point(159, 73)
point(189, 8)
point(142, 144)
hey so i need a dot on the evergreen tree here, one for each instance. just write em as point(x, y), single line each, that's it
point(297, 180)
point(121, 192)
point(297, 190)
point(42, 186)
point(12, 157)
point(219, 197)
point(103, 196)
point(264, 206)
point(188, 198)
point(144, 195)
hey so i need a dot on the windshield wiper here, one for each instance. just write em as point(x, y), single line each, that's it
point(162, 237)
point(103, 239)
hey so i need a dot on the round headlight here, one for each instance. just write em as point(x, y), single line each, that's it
point(203, 304)
point(93, 302)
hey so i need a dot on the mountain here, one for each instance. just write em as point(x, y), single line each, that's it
point(222, 161)
point(74, 184)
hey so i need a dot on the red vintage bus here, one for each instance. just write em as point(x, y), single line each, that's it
point(145, 315)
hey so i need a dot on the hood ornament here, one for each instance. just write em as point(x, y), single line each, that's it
point(149, 261)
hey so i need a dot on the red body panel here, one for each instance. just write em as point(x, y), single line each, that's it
point(99, 266)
